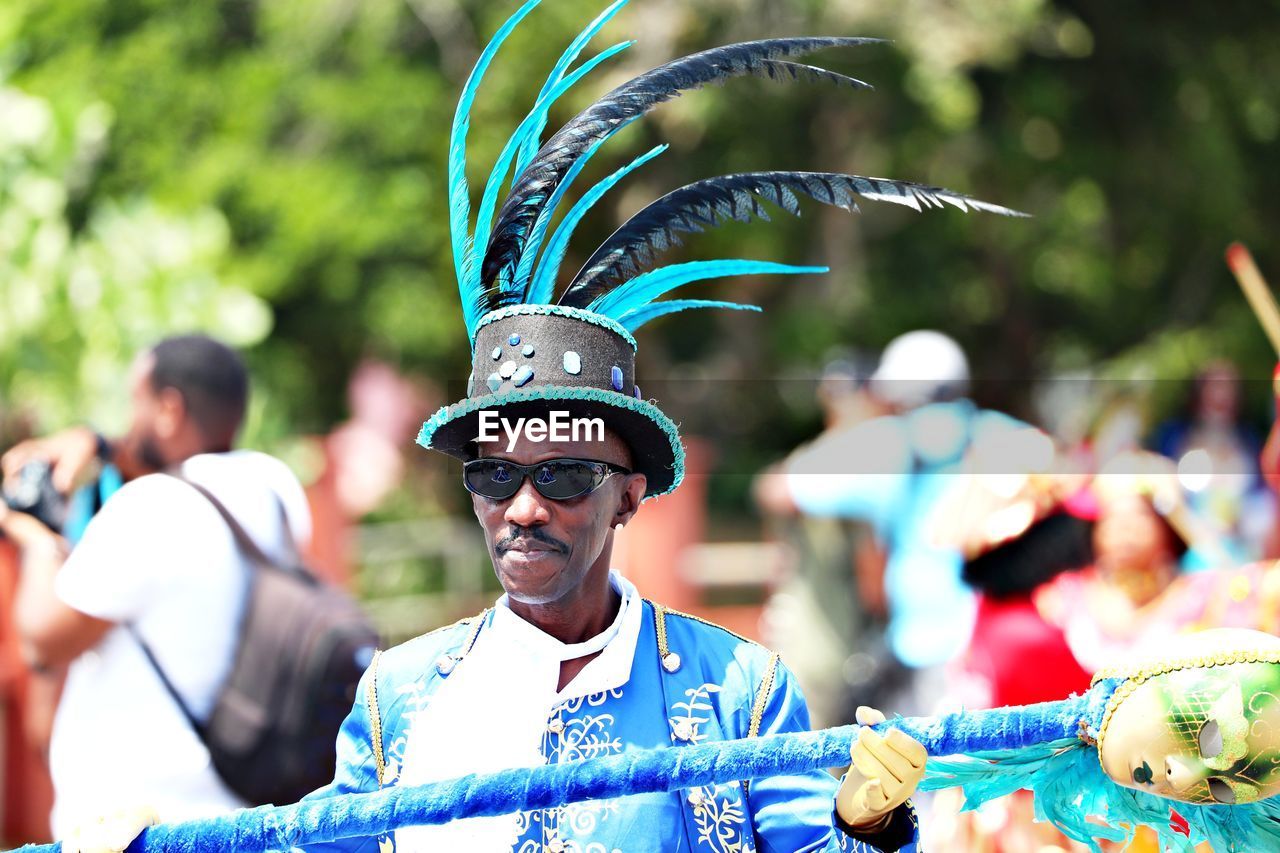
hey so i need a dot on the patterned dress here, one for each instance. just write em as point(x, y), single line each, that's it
point(690, 682)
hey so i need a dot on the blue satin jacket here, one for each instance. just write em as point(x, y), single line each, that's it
point(691, 682)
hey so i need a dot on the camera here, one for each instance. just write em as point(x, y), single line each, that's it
point(31, 491)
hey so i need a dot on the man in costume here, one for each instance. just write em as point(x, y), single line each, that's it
point(571, 663)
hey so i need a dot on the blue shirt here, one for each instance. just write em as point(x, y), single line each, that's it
point(724, 688)
point(896, 472)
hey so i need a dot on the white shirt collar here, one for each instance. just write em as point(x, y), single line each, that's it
point(616, 644)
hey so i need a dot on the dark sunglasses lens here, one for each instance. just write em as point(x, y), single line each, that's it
point(564, 479)
point(491, 478)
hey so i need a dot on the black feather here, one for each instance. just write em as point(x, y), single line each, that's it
point(712, 201)
point(624, 104)
point(776, 69)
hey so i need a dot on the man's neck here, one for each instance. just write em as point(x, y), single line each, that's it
point(577, 619)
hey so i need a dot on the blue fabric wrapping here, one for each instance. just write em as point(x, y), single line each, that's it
point(640, 771)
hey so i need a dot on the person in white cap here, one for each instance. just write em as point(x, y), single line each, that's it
point(894, 472)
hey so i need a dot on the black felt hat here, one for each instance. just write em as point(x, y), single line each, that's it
point(531, 360)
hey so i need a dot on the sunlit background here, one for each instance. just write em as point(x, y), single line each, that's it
point(273, 173)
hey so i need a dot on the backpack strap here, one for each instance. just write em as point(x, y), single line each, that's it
point(250, 549)
point(243, 540)
point(247, 547)
point(196, 725)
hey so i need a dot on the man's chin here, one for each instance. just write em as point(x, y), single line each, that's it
point(531, 577)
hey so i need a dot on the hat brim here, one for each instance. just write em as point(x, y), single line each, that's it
point(652, 436)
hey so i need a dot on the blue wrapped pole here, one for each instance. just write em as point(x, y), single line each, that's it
point(635, 772)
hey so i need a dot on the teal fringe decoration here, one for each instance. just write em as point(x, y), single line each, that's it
point(1073, 794)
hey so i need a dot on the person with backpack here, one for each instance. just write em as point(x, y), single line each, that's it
point(148, 608)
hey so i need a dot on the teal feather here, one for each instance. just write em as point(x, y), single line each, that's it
point(464, 260)
point(645, 288)
point(530, 145)
point(526, 130)
point(1070, 788)
point(544, 281)
point(525, 266)
point(633, 320)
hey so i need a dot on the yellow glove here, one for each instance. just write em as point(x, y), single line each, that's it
point(885, 772)
point(111, 833)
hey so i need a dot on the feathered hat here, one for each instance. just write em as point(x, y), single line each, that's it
point(532, 350)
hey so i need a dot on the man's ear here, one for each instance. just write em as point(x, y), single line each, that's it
point(171, 412)
point(633, 489)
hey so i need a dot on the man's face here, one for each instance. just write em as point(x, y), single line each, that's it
point(141, 442)
point(542, 549)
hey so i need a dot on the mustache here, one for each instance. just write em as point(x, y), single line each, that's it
point(517, 533)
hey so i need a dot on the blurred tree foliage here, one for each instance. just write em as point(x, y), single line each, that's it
point(305, 141)
point(88, 284)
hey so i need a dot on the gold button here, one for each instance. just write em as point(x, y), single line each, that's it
point(555, 845)
point(556, 726)
point(671, 661)
point(696, 798)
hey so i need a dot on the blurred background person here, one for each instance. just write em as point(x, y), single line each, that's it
point(1136, 594)
point(157, 565)
point(1216, 452)
point(827, 611)
point(893, 472)
point(1015, 538)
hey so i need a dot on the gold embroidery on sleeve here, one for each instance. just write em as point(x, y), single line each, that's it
point(762, 697)
point(375, 718)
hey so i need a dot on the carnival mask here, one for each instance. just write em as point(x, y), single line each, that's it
point(1201, 724)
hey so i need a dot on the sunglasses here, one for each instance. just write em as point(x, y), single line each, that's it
point(557, 479)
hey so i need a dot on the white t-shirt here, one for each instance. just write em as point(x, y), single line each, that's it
point(159, 556)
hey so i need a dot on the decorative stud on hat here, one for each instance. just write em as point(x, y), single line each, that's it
point(531, 352)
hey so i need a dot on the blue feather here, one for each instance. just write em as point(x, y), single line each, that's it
point(633, 320)
point(545, 215)
point(545, 280)
point(464, 260)
point(524, 131)
point(645, 288)
point(530, 146)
